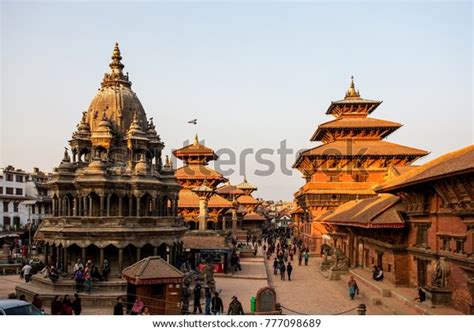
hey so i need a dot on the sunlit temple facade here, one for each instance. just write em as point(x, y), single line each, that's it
point(112, 198)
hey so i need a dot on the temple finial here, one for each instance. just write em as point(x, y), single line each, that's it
point(351, 92)
point(196, 140)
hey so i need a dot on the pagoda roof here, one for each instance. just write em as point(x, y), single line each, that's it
point(447, 165)
point(354, 122)
point(248, 200)
point(152, 270)
point(359, 148)
point(189, 199)
point(253, 216)
point(246, 185)
point(195, 149)
point(355, 188)
point(198, 171)
point(229, 189)
point(376, 212)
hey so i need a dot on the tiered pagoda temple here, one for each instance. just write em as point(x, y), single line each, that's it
point(352, 159)
point(113, 199)
point(196, 173)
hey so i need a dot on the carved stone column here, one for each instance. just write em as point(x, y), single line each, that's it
point(101, 259)
point(120, 206)
point(108, 205)
point(139, 253)
point(65, 259)
point(120, 260)
point(138, 206)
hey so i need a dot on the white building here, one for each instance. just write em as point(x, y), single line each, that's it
point(22, 197)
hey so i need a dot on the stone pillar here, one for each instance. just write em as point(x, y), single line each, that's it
point(130, 206)
point(175, 209)
point(65, 259)
point(46, 254)
point(101, 259)
point(120, 260)
point(58, 254)
point(202, 213)
point(60, 206)
point(153, 207)
point(120, 206)
point(138, 206)
point(108, 205)
point(83, 253)
point(74, 207)
point(53, 206)
point(84, 206)
point(155, 251)
point(139, 254)
point(101, 205)
point(223, 222)
point(234, 220)
point(90, 206)
point(159, 206)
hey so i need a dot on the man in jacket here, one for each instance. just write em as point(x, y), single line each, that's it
point(235, 307)
point(217, 307)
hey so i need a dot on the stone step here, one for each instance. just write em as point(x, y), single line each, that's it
point(95, 299)
point(68, 284)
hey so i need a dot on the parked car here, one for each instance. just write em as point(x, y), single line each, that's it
point(18, 307)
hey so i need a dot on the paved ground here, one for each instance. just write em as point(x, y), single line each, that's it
point(310, 292)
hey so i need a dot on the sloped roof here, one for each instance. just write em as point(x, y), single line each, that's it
point(246, 185)
point(337, 188)
point(151, 270)
point(197, 171)
point(195, 149)
point(254, 217)
point(354, 147)
point(189, 199)
point(450, 164)
point(376, 212)
point(229, 189)
point(247, 200)
point(354, 122)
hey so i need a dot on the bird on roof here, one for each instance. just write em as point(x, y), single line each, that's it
point(194, 121)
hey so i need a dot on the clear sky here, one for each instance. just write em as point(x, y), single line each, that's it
point(253, 74)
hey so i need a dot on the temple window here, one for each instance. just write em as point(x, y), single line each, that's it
point(1, 189)
point(19, 191)
point(460, 246)
point(5, 207)
point(9, 178)
point(422, 235)
point(9, 190)
point(19, 178)
point(15, 207)
point(445, 245)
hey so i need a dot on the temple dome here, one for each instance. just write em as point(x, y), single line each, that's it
point(116, 100)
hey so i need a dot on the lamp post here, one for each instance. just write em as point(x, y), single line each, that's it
point(29, 203)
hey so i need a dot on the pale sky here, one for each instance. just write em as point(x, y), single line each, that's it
point(253, 74)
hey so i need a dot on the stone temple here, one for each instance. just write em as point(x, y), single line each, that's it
point(113, 198)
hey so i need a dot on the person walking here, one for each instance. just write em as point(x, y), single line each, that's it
point(289, 270)
point(275, 267)
point(76, 305)
point(197, 299)
point(118, 308)
point(300, 258)
point(235, 307)
point(282, 271)
point(306, 257)
point(26, 271)
point(353, 288)
point(208, 296)
point(87, 279)
point(217, 307)
point(79, 279)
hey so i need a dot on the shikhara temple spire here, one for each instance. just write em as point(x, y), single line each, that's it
point(351, 92)
point(116, 77)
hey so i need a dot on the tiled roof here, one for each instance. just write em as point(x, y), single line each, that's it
point(195, 150)
point(374, 104)
point(354, 122)
point(197, 171)
point(150, 268)
point(247, 200)
point(254, 217)
point(246, 186)
point(354, 148)
point(204, 241)
point(451, 164)
point(229, 189)
point(188, 199)
point(377, 212)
